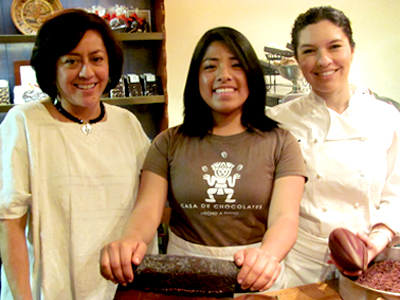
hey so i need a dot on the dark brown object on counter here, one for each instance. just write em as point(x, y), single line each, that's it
point(256, 297)
point(348, 250)
point(185, 275)
point(140, 295)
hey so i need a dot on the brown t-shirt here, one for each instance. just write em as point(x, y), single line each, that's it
point(220, 186)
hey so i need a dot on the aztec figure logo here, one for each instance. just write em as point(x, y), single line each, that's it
point(222, 182)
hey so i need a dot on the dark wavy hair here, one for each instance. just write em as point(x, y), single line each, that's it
point(60, 34)
point(198, 119)
point(317, 14)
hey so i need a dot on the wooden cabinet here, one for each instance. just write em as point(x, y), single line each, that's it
point(143, 52)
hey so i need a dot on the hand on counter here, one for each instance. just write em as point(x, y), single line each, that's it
point(259, 269)
point(116, 260)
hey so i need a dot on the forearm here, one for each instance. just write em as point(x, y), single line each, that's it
point(280, 237)
point(14, 255)
point(147, 213)
point(283, 216)
point(116, 258)
point(142, 224)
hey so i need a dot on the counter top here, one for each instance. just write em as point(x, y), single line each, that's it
point(316, 291)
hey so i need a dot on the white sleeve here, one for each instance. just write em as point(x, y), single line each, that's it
point(15, 194)
point(388, 212)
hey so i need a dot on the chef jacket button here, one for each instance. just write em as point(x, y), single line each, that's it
point(315, 140)
point(324, 209)
point(356, 205)
point(313, 112)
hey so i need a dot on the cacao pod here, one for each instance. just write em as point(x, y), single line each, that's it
point(347, 250)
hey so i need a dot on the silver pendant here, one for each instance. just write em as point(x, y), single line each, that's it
point(86, 129)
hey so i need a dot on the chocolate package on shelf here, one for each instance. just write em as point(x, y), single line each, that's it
point(150, 84)
point(133, 85)
point(119, 90)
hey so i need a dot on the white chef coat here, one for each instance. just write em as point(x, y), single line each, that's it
point(353, 168)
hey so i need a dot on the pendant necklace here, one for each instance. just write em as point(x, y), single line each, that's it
point(86, 127)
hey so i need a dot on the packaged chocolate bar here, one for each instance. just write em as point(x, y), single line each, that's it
point(119, 90)
point(150, 87)
point(134, 87)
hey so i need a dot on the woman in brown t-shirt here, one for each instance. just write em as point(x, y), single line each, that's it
point(233, 179)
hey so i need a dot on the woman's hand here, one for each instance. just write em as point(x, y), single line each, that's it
point(344, 272)
point(259, 269)
point(117, 257)
point(374, 243)
point(373, 249)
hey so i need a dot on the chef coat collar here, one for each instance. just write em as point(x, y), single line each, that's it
point(343, 126)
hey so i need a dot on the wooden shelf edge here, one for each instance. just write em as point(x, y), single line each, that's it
point(5, 107)
point(114, 101)
point(145, 36)
point(134, 100)
point(17, 38)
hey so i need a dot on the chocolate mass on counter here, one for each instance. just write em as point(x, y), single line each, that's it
point(185, 274)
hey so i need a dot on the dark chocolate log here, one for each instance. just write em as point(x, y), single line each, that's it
point(187, 274)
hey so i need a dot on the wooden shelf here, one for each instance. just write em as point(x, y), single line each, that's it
point(5, 107)
point(134, 100)
point(114, 101)
point(145, 36)
point(17, 38)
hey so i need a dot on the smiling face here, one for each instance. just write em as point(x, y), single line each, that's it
point(82, 74)
point(222, 81)
point(325, 56)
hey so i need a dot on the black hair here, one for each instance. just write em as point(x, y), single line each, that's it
point(198, 119)
point(317, 14)
point(60, 34)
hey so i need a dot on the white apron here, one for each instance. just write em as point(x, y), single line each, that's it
point(303, 268)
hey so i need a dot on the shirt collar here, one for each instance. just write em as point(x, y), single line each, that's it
point(342, 126)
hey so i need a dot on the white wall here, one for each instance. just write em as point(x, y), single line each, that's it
point(375, 23)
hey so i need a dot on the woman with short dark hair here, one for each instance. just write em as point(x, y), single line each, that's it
point(61, 35)
point(69, 166)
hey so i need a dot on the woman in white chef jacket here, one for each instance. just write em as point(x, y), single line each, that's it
point(350, 143)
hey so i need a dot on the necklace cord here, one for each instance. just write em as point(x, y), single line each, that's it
point(57, 104)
